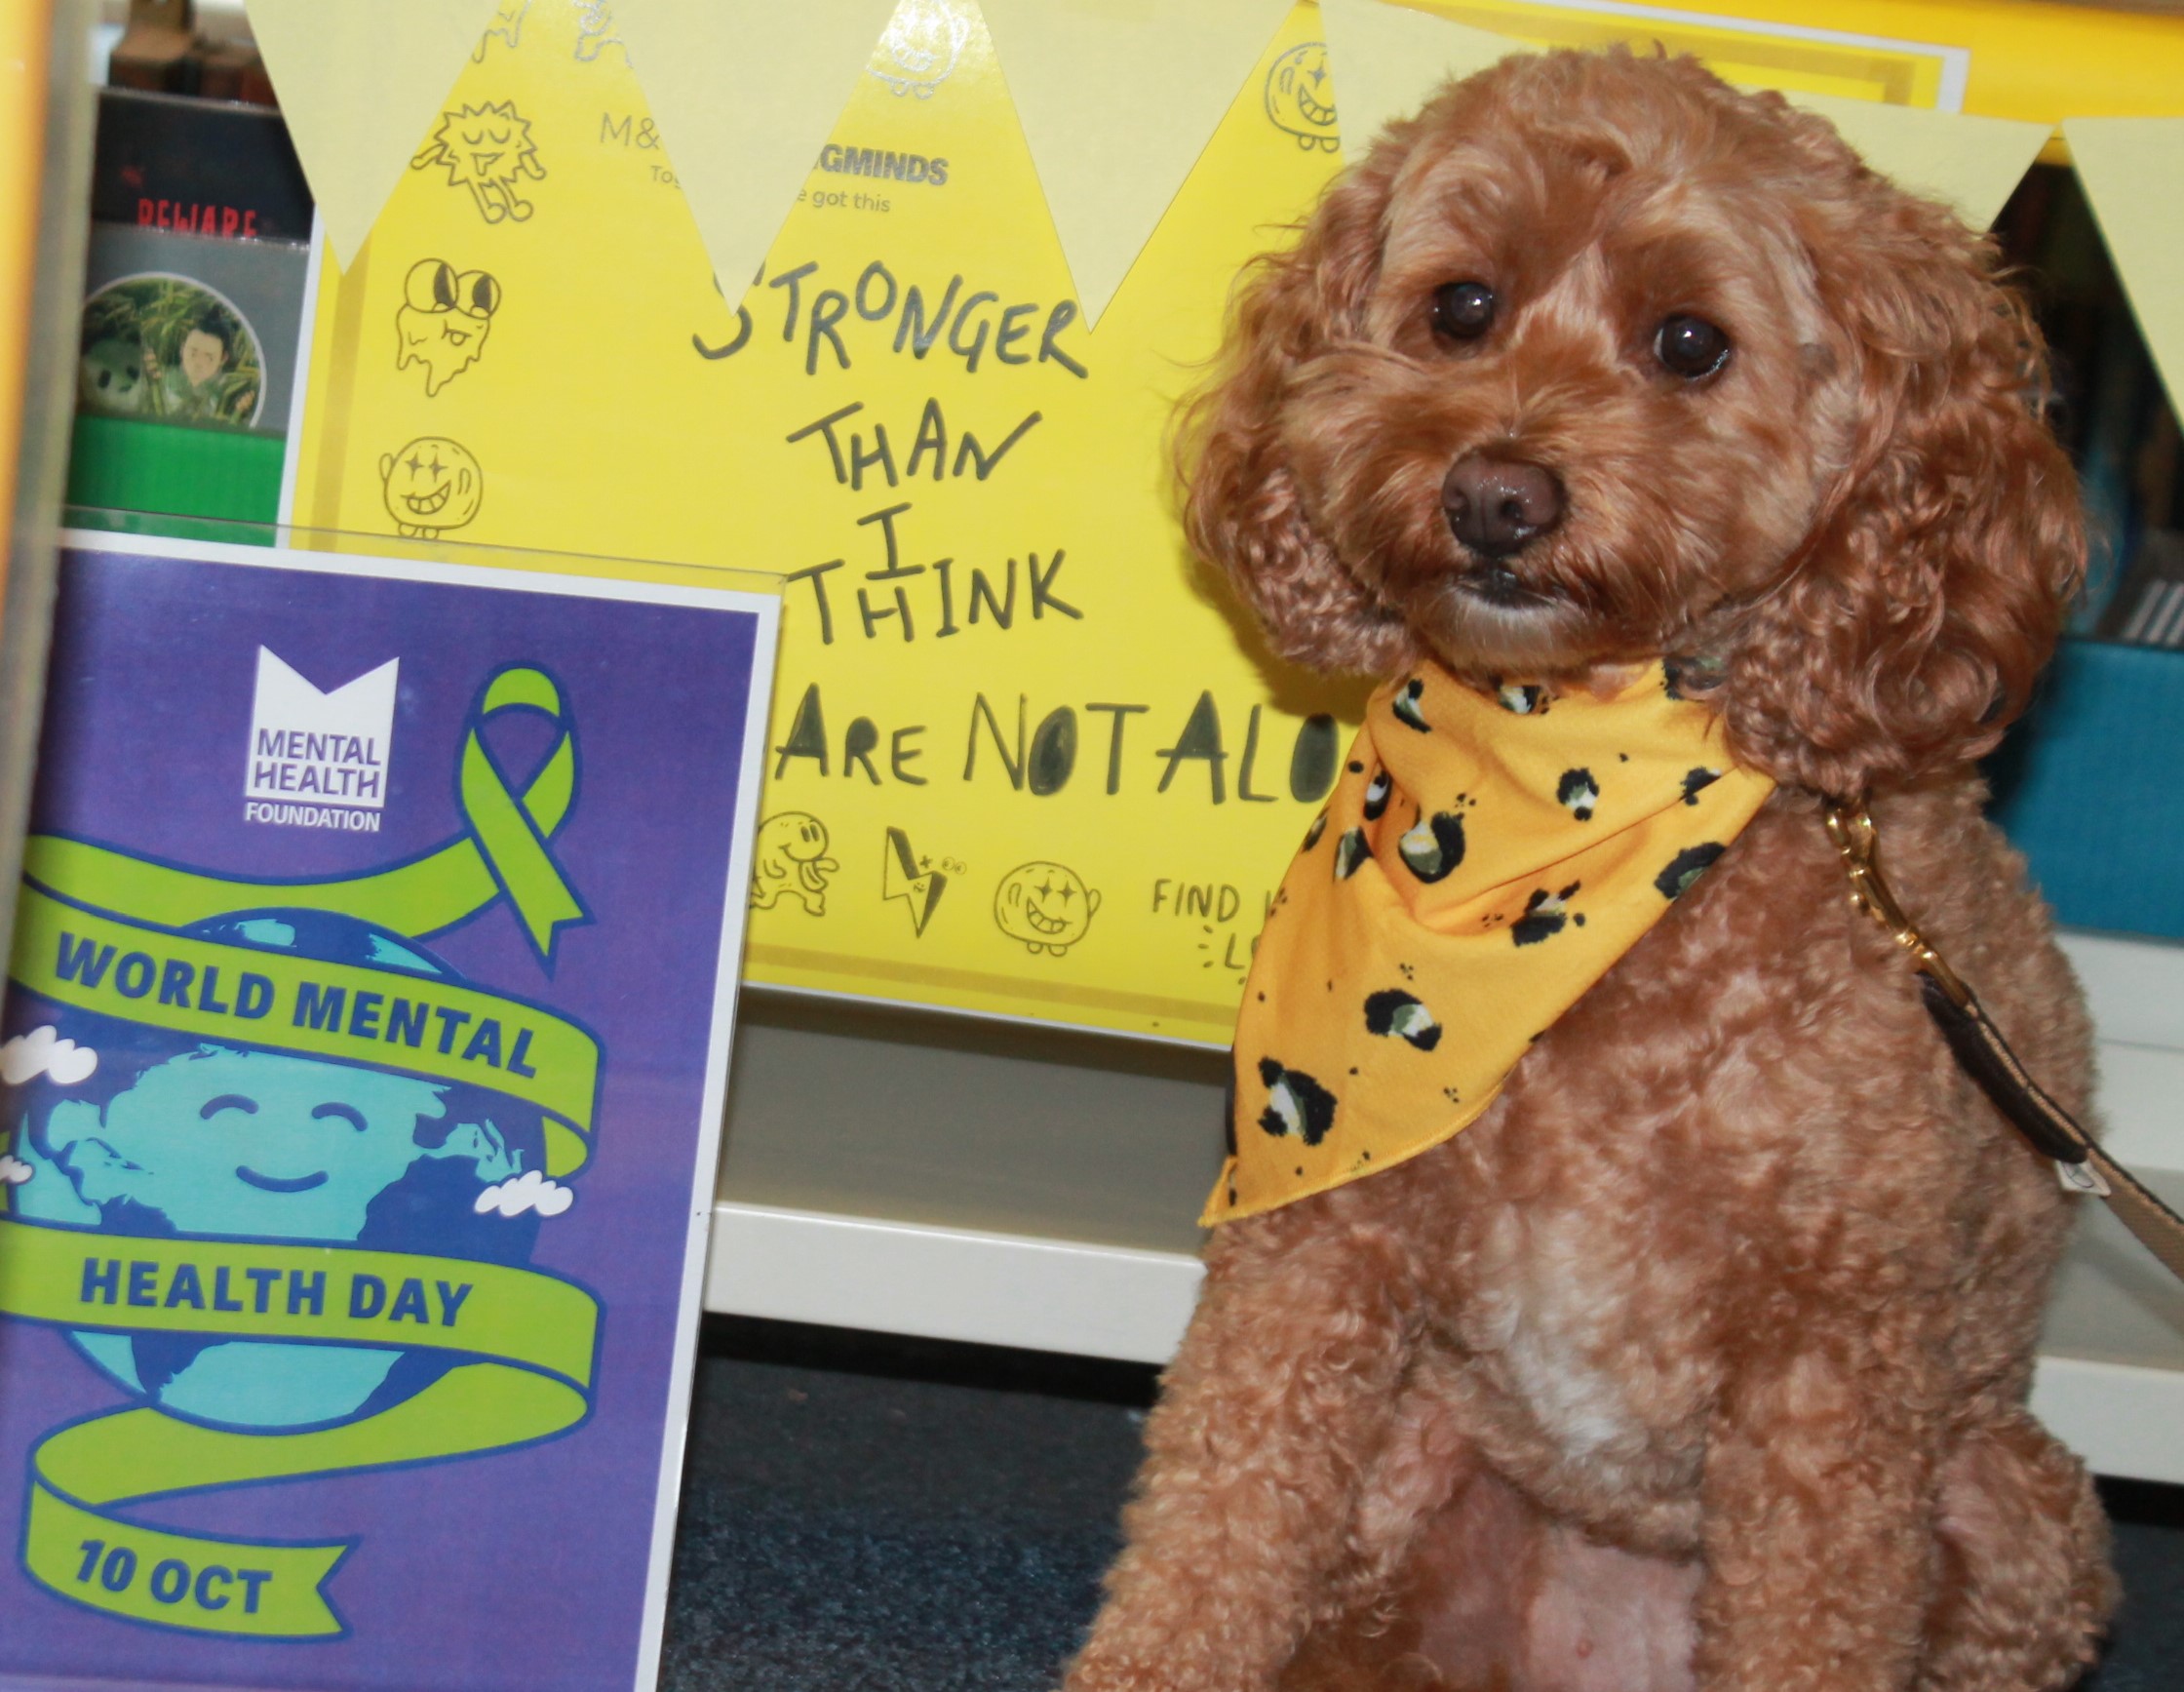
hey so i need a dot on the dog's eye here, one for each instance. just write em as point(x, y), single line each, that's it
point(1690, 347)
point(1463, 310)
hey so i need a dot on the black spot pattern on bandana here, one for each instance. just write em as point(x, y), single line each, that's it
point(1433, 846)
point(1544, 914)
point(1519, 699)
point(1697, 781)
point(1312, 834)
point(1350, 852)
point(1578, 792)
point(1405, 706)
point(1404, 1016)
point(1686, 867)
point(1295, 1104)
point(1376, 791)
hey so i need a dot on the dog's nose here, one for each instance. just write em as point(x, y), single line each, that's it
point(1497, 506)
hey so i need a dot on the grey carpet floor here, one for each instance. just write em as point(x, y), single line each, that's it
point(871, 1515)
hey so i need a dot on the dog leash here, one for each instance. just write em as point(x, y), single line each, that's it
point(1985, 1056)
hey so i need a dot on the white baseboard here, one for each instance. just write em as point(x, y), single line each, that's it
point(2123, 1419)
point(949, 1283)
point(1108, 1302)
point(2111, 1384)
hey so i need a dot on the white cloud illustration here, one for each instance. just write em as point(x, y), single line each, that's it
point(14, 1171)
point(42, 1051)
point(529, 1191)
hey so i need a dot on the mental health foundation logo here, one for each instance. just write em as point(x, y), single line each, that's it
point(319, 760)
point(278, 1172)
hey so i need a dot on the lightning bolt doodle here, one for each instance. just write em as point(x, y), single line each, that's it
point(900, 878)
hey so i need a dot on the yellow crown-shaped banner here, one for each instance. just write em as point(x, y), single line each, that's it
point(1117, 98)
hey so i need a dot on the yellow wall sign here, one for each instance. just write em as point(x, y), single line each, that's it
point(1024, 760)
point(1017, 764)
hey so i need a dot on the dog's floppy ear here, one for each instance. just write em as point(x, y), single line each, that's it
point(1912, 625)
point(1243, 510)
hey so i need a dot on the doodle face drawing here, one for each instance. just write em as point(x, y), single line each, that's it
point(1299, 100)
point(790, 856)
point(432, 485)
point(443, 319)
point(923, 42)
point(1046, 906)
point(487, 150)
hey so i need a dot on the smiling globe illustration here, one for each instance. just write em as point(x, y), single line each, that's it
point(131, 1130)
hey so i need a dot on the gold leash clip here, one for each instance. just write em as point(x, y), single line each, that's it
point(1850, 828)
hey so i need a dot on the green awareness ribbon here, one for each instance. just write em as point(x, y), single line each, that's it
point(528, 1340)
point(504, 851)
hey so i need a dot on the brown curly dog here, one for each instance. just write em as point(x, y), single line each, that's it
point(1700, 1361)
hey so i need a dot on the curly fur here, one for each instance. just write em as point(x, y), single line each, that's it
point(1700, 1361)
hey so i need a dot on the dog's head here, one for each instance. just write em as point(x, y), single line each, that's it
point(1597, 360)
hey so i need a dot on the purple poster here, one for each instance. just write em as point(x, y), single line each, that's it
point(364, 1057)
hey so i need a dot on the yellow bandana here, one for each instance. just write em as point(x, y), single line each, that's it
point(1485, 858)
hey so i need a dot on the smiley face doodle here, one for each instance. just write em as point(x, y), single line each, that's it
point(1046, 906)
point(922, 46)
point(1299, 100)
point(442, 320)
point(432, 485)
point(790, 857)
point(486, 149)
